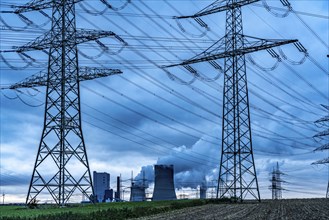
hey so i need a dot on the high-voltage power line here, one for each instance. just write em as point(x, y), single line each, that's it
point(237, 167)
point(62, 147)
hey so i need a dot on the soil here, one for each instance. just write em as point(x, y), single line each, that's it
point(299, 209)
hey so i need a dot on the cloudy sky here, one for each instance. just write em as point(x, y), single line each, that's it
point(143, 117)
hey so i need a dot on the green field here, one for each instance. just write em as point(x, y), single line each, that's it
point(119, 210)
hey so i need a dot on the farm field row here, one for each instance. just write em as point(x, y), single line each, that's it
point(299, 209)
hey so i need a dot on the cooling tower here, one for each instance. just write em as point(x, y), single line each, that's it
point(203, 192)
point(164, 188)
point(137, 193)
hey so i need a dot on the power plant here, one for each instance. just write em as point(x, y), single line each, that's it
point(164, 188)
point(137, 193)
point(101, 184)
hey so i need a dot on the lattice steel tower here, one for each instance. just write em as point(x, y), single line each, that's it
point(276, 183)
point(237, 167)
point(62, 147)
point(323, 135)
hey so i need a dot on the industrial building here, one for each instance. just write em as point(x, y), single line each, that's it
point(117, 194)
point(137, 193)
point(108, 196)
point(164, 188)
point(101, 184)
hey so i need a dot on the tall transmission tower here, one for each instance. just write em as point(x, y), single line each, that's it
point(62, 148)
point(324, 135)
point(276, 183)
point(237, 166)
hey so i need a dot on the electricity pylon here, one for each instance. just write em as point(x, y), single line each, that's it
point(62, 147)
point(276, 183)
point(237, 167)
point(324, 121)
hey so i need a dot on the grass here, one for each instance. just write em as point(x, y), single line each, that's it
point(119, 210)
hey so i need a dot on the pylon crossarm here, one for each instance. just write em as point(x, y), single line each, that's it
point(323, 161)
point(218, 6)
point(36, 5)
point(40, 43)
point(85, 35)
point(323, 119)
point(89, 73)
point(250, 45)
point(85, 73)
point(323, 147)
point(38, 79)
point(322, 134)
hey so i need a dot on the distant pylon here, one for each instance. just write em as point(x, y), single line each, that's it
point(276, 183)
point(61, 167)
point(323, 135)
point(237, 167)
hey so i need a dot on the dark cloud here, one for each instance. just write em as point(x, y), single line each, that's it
point(180, 114)
point(14, 179)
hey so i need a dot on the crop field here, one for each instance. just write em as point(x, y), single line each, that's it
point(308, 209)
point(118, 210)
